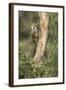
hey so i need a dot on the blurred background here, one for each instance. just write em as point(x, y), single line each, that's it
point(27, 47)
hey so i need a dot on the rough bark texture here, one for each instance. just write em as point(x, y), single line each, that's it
point(43, 33)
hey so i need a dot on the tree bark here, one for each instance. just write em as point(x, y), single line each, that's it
point(43, 33)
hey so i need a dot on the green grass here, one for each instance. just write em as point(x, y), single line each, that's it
point(49, 68)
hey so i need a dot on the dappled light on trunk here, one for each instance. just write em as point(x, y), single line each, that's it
point(43, 33)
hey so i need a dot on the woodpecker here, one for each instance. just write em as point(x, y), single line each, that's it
point(34, 33)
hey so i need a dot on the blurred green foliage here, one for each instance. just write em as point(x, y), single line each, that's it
point(27, 68)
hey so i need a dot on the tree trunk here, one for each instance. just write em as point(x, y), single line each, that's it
point(43, 33)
